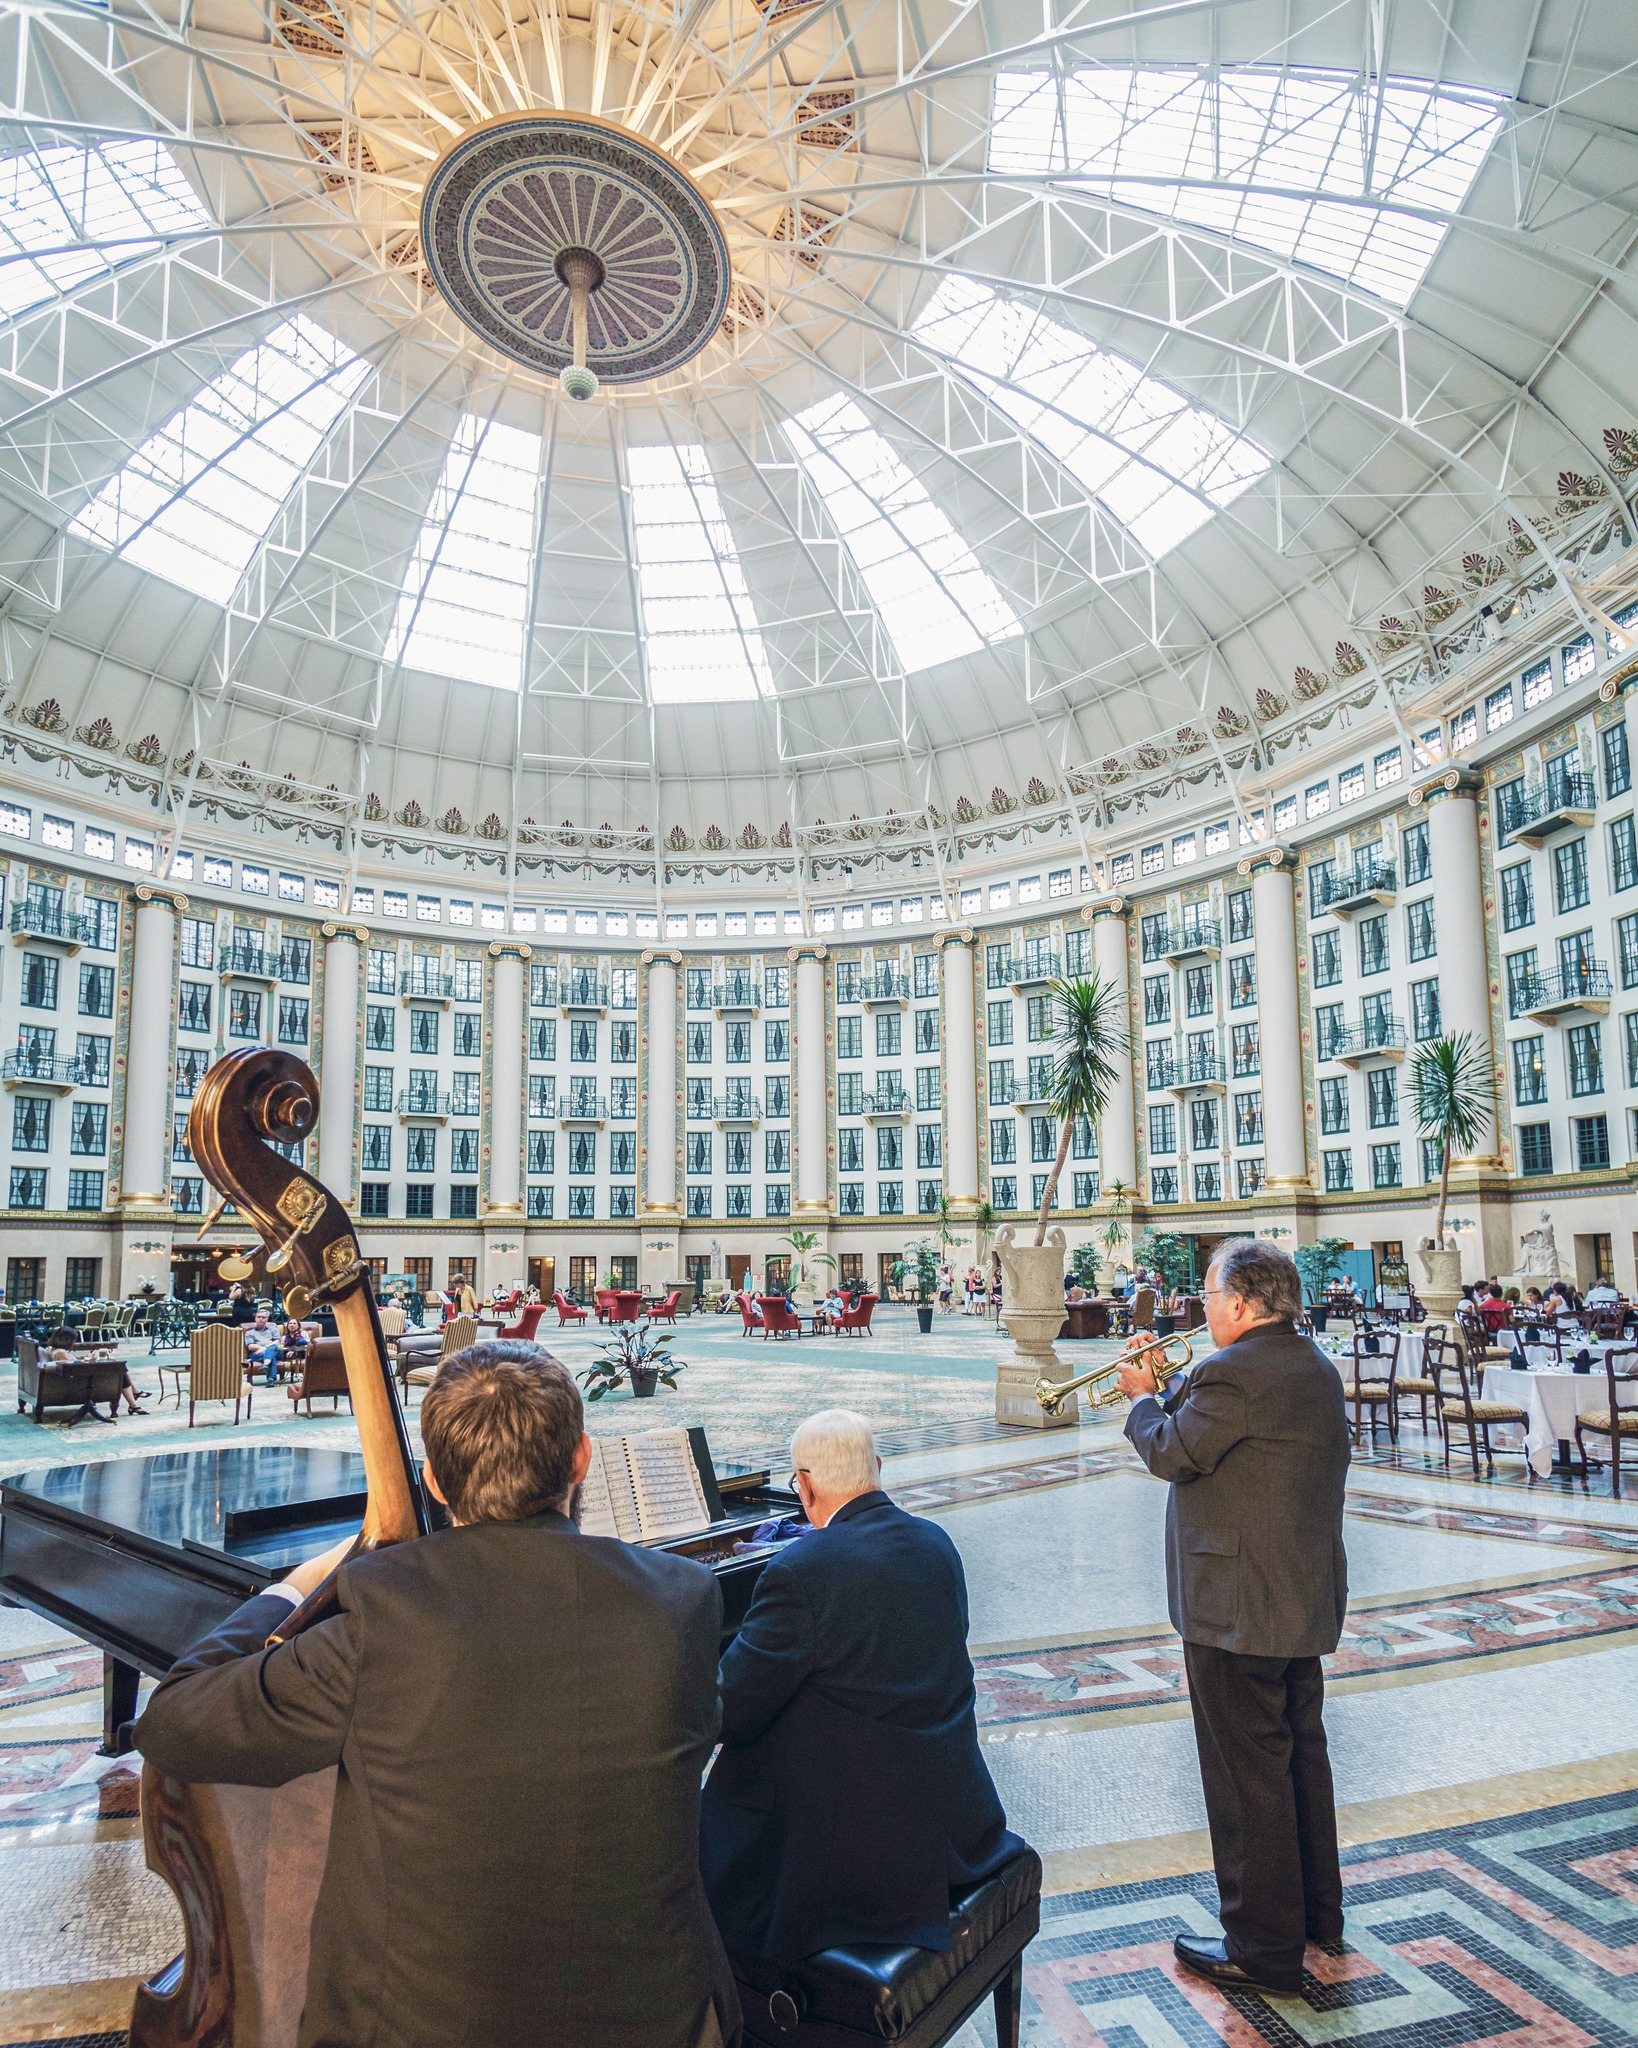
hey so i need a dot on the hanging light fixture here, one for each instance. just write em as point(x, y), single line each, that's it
point(575, 247)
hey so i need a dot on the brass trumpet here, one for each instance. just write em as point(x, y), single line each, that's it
point(1143, 1350)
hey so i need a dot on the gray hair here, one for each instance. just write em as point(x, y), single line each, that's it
point(837, 1451)
point(1261, 1274)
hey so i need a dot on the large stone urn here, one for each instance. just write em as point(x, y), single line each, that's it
point(1441, 1286)
point(1032, 1307)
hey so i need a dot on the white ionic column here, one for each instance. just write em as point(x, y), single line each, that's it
point(1117, 1137)
point(1274, 910)
point(338, 1058)
point(145, 1240)
point(505, 1201)
point(956, 952)
point(148, 1052)
point(657, 1099)
point(1451, 802)
point(812, 1123)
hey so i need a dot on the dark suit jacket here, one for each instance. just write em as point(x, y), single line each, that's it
point(850, 1795)
point(521, 1715)
point(1256, 1448)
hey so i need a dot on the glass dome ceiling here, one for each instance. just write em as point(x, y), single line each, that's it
point(1100, 387)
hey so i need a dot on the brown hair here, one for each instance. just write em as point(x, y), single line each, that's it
point(501, 1423)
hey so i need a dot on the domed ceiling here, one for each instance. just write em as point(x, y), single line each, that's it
point(1099, 392)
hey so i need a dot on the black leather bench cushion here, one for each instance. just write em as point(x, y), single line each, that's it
point(882, 1991)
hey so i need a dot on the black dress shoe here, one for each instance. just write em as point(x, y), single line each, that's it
point(1208, 1958)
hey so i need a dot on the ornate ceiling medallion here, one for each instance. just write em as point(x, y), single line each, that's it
point(514, 198)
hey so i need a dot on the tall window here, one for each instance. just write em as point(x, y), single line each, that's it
point(1373, 945)
point(1327, 949)
point(1333, 1106)
point(1518, 898)
point(1246, 1045)
point(1584, 1050)
point(1419, 931)
point(1623, 855)
point(1570, 882)
point(1529, 1071)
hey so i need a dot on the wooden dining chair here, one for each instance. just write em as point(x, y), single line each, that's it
point(1477, 1417)
point(1423, 1386)
point(1371, 1390)
point(1613, 1422)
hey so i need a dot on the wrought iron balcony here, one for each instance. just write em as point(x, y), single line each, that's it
point(427, 985)
point(888, 1105)
point(423, 1102)
point(1160, 1071)
point(737, 1108)
point(1194, 936)
point(240, 962)
point(45, 921)
point(1034, 970)
point(1564, 803)
point(583, 991)
point(1366, 883)
point(884, 989)
point(1584, 986)
point(1200, 1071)
point(44, 1070)
point(583, 1109)
point(737, 995)
point(1383, 1040)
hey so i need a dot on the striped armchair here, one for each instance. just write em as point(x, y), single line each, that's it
point(216, 1368)
point(458, 1333)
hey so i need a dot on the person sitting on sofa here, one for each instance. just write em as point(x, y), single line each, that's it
point(63, 1348)
point(262, 1347)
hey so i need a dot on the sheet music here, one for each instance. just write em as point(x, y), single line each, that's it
point(643, 1488)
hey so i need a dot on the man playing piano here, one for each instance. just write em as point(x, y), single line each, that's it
point(521, 1715)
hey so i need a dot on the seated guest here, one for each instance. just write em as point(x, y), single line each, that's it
point(64, 1348)
point(544, 1878)
point(850, 1797)
point(262, 1346)
point(1602, 1294)
point(1495, 1311)
point(832, 1305)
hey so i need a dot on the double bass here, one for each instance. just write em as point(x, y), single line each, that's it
point(245, 1861)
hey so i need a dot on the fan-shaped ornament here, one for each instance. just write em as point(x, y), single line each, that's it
point(575, 248)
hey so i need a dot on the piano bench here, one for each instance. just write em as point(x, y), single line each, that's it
point(912, 1997)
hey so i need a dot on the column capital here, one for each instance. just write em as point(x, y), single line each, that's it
point(150, 892)
point(956, 935)
point(511, 949)
point(1451, 782)
point(358, 933)
point(651, 955)
point(1622, 683)
point(1106, 906)
point(1269, 860)
point(809, 949)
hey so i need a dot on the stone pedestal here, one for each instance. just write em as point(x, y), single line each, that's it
point(1441, 1286)
point(1032, 1308)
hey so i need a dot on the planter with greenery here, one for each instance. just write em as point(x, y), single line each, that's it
point(1171, 1255)
point(1091, 1016)
point(1453, 1097)
point(803, 1245)
point(920, 1263)
point(1083, 1263)
point(1319, 1264)
point(633, 1355)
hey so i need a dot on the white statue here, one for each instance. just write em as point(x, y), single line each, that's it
point(716, 1258)
point(1538, 1252)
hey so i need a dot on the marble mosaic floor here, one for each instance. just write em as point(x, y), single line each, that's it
point(1480, 1715)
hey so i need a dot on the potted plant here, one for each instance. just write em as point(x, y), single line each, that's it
point(633, 1353)
point(1083, 1263)
point(920, 1263)
point(1171, 1255)
point(1115, 1230)
point(1319, 1264)
point(1453, 1096)
point(802, 1243)
point(1091, 1015)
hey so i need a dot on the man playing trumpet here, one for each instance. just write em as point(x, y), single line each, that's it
point(1255, 1446)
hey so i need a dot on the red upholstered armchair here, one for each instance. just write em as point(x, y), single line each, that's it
point(524, 1327)
point(779, 1319)
point(604, 1302)
point(566, 1310)
point(856, 1321)
point(665, 1311)
point(750, 1322)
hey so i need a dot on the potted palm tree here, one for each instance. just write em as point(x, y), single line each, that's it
point(1453, 1095)
point(802, 1243)
point(920, 1263)
point(1091, 1035)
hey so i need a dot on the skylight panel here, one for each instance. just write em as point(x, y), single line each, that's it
point(118, 195)
point(700, 632)
point(1311, 165)
point(465, 602)
point(198, 497)
point(924, 580)
point(1160, 464)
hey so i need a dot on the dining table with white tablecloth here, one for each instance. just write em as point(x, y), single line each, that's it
point(1552, 1400)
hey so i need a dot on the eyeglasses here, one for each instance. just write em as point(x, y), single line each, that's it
point(800, 1472)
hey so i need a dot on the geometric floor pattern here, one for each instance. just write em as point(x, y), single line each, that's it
point(1522, 1931)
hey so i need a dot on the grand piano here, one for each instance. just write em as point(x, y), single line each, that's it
point(140, 1556)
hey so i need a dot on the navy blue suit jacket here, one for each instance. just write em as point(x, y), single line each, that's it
point(850, 1797)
